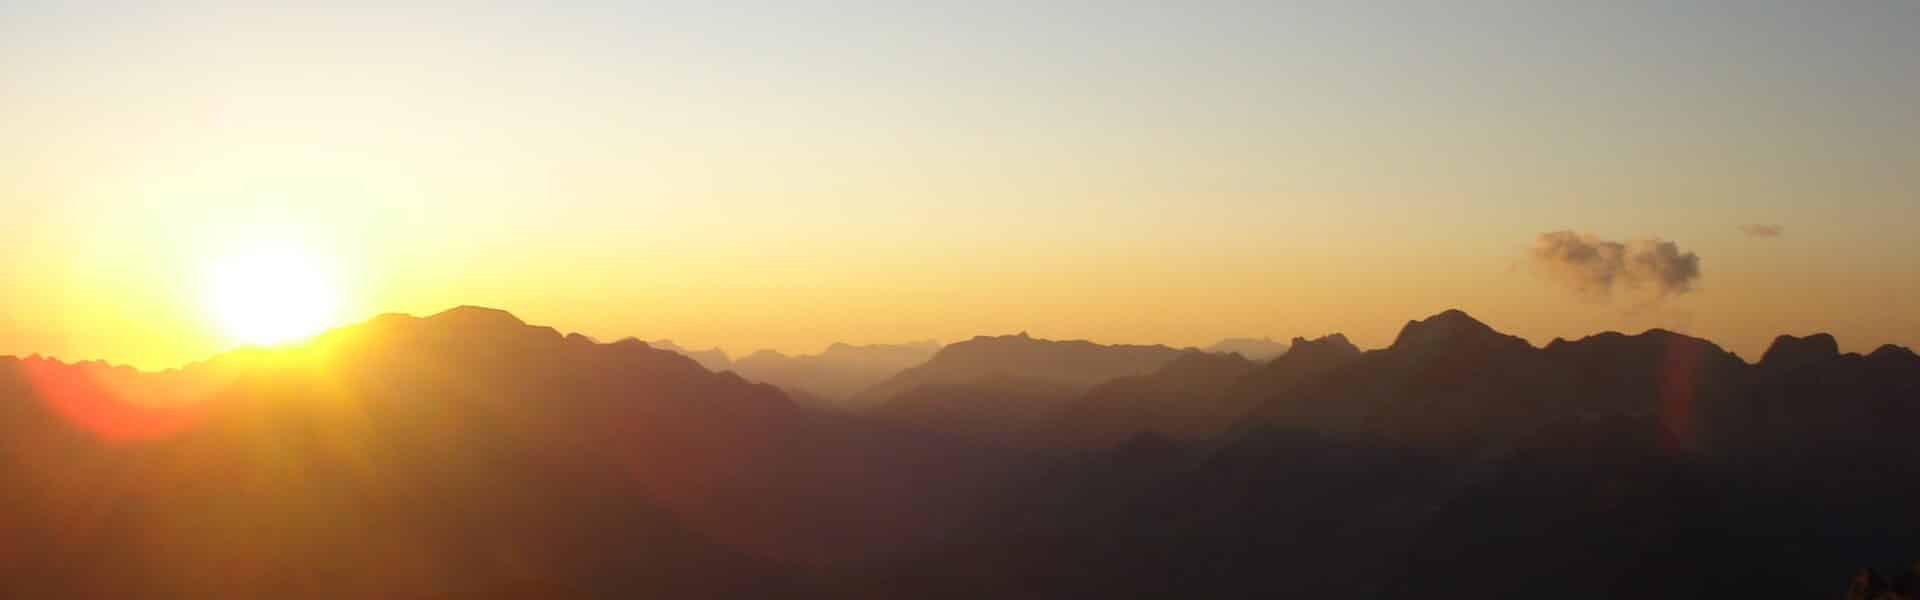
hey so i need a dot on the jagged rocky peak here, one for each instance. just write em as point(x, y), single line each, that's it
point(1789, 352)
point(1328, 345)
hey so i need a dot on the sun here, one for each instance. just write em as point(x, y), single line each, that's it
point(271, 295)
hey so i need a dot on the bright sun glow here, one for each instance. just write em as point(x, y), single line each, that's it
point(271, 296)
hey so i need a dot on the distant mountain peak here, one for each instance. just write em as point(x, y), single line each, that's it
point(1655, 335)
point(1890, 351)
point(1258, 349)
point(835, 374)
point(1447, 327)
point(1328, 345)
point(1014, 339)
point(714, 359)
point(1788, 352)
point(765, 354)
point(1192, 360)
point(843, 348)
point(1072, 363)
point(477, 316)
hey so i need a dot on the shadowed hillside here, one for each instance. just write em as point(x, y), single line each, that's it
point(1186, 399)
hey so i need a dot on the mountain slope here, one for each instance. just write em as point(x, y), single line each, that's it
point(837, 373)
point(1447, 380)
point(1186, 399)
point(1076, 364)
point(1001, 409)
point(714, 359)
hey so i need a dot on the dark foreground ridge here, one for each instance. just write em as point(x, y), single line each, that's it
point(469, 454)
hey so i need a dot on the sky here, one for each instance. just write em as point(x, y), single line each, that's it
point(785, 175)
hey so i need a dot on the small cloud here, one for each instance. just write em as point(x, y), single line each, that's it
point(1763, 231)
point(1597, 268)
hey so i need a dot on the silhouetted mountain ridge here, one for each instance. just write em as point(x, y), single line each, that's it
point(714, 359)
point(468, 451)
point(1254, 349)
point(1788, 352)
point(1184, 400)
point(1075, 364)
point(1892, 353)
point(1452, 330)
point(837, 373)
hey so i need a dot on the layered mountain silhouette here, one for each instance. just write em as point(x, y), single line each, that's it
point(836, 374)
point(825, 380)
point(1185, 399)
point(714, 359)
point(469, 454)
point(1255, 349)
point(1003, 386)
point(1075, 364)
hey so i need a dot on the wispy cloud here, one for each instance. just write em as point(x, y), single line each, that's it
point(1597, 268)
point(1763, 231)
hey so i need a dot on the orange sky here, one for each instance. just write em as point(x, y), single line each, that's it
point(796, 177)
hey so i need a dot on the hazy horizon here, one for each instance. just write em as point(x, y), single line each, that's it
point(681, 347)
point(793, 175)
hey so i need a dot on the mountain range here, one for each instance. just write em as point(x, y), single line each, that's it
point(469, 454)
point(824, 380)
point(1260, 349)
point(836, 374)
